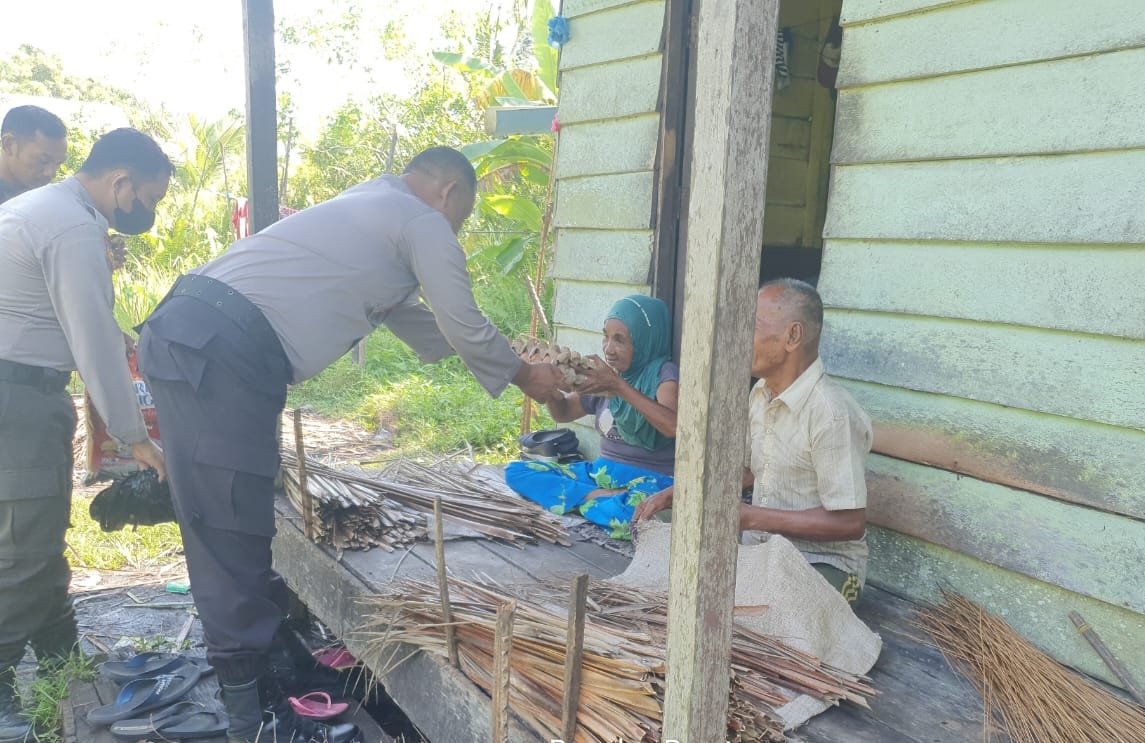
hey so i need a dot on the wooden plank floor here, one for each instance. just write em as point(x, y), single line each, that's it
point(84, 695)
point(922, 700)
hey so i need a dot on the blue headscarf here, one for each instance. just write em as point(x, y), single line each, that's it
point(650, 328)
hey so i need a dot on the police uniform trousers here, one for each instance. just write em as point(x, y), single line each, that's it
point(219, 388)
point(37, 425)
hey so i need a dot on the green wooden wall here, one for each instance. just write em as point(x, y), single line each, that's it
point(605, 166)
point(984, 266)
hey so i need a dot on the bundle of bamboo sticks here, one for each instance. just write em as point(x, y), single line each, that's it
point(622, 681)
point(405, 487)
point(350, 515)
point(1027, 695)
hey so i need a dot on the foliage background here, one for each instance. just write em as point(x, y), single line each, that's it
point(491, 59)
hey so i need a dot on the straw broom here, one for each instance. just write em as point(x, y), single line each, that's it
point(1026, 693)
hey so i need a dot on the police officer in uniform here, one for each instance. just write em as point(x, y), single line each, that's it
point(275, 309)
point(56, 316)
point(33, 146)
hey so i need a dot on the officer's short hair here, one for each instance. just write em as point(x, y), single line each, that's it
point(128, 148)
point(26, 121)
point(444, 162)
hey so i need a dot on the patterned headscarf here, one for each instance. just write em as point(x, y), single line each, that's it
point(650, 328)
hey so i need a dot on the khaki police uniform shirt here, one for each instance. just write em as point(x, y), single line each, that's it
point(807, 448)
point(326, 276)
point(56, 298)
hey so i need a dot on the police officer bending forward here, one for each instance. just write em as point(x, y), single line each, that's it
point(277, 308)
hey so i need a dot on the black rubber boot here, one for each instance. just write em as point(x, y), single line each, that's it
point(14, 726)
point(260, 713)
point(57, 641)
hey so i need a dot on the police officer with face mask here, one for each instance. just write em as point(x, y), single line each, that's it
point(56, 316)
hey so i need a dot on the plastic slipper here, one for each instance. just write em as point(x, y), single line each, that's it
point(144, 695)
point(317, 705)
point(179, 721)
point(148, 665)
point(337, 658)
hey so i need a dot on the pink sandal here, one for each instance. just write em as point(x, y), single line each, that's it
point(317, 705)
point(337, 658)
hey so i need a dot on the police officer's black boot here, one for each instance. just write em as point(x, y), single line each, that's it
point(14, 726)
point(260, 713)
point(57, 641)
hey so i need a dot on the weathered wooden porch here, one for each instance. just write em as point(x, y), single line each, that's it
point(921, 700)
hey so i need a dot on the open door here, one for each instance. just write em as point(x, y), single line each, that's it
point(802, 128)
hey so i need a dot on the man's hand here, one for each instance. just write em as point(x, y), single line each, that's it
point(652, 505)
point(150, 456)
point(542, 382)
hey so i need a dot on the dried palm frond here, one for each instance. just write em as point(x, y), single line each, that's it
point(622, 685)
point(1026, 693)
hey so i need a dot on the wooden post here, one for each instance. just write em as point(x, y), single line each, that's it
point(443, 585)
point(307, 498)
point(261, 113)
point(735, 68)
point(574, 657)
point(502, 670)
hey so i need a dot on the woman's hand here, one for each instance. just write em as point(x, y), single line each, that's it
point(652, 505)
point(601, 379)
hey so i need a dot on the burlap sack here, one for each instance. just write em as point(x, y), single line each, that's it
point(803, 609)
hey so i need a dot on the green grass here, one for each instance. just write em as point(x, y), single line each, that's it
point(48, 689)
point(127, 549)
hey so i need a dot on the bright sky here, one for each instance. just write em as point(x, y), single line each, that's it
point(188, 54)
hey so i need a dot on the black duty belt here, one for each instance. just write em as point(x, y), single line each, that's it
point(48, 381)
point(231, 304)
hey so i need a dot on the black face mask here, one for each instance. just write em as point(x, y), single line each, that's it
point(135, 222)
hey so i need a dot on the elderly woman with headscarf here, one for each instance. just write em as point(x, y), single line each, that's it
point(632, 395)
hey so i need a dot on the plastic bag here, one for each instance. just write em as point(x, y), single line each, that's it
point(107, 458)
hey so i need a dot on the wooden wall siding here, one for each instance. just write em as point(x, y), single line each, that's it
point(1039, 610)
point(610, 91)
point(984, 249)
point(964, 36)
point(619, 33)
point(615, 146)
point(617, 256)
point(1088, 377)
point(586, 307)
point(619, 202)
point(1084, 288)
point(1086, 198)
point(859, 11)
point(1084, 550)
point(1004, 111)
point(576, 8)
point(610, 122)
point(1090, 464)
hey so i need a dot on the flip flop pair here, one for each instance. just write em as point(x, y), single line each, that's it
point(146, 694)
point(317, 705)
point(148, 665)
point(180, 721)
